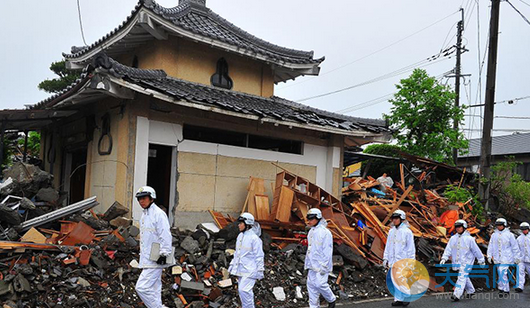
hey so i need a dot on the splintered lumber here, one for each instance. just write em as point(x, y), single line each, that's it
point(285, 201)
point(255, 187)
point(7, 245)
point(262, 207)
point(396, 206)
point(219, 219)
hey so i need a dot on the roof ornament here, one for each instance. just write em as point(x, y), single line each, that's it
point(199, 2)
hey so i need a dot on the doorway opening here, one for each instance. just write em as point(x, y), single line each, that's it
point(75, 175)
point(159, 174)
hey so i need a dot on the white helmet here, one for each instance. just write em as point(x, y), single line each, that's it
point(247, 218)
point(146, 191)
point(314, 213)
point(399, 213)
point(501, 221)
point(461, 223)
point(524, 226)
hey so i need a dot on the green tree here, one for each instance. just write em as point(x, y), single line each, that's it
point(422, 116)
point(33, 143)
point(64, 79)
point(380, 166)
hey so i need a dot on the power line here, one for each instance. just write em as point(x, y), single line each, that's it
point(372, 53)
point(81, 22)
point(524, 17)
point(525, 2)
point(502, 130)
point(408, 68)
point(502, 117)
point(376, 101)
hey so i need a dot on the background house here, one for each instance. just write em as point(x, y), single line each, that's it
point(182, 100)
point(504, 148)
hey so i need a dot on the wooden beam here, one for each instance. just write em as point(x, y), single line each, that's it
point(396, 206)
point(147, 23)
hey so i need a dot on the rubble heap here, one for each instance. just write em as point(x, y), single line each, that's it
point(26, 193)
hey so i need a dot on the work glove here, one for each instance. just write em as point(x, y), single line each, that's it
point(517, 261)
point(442, 262)
point(161, 260)
point(385, 263)
point(322, 272)
point(490, 260)
point(483, 263)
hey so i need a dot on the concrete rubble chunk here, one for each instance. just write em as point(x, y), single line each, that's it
point(337, 261)
point(47, 195)
point(26, 203)
point(9, 216)
point(225, 283)
point(5, 287)
point(176, 270)
point(21, 284)
point(82, 282)
point(279, 293)
point(115, 210)
point(190, 285)
point(134, 231)
point(186, 277)
point(299, 294)
point(190, 245)
point(120, 222)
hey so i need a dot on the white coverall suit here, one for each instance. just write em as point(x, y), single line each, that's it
point(399, 245)
point(462, 249)
point(524, 247)
point(318, 261)
point(504, 249)
point(248, 264)
point(154, 228)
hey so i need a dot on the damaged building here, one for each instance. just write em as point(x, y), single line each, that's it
point(182, 100)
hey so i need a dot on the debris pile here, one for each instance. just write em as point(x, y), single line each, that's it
point(360, 221)
point(26, 193)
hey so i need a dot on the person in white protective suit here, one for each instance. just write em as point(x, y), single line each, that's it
point(248, 262)
point(462, 249)
point(399, 245)
point(503, 249)
point(524, 247)
point(318, 259)
point(154, 228)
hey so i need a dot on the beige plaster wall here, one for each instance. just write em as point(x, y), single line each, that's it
point(219, 183)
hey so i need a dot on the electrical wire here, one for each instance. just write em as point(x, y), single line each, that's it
point(524, 17)
point(378, 100)
point(525, 2)
point(419, 64)
point(370, 54)
point(81, 22)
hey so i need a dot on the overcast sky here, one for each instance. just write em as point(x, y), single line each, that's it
point(361, 40)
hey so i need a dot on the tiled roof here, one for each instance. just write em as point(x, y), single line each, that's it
point(275, 107)
point(501, 145)
point(195, 17)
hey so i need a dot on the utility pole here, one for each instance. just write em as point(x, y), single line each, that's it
point(458, 71)
point(485, 150)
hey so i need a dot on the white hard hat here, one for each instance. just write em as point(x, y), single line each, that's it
point(146, 191)
point(461, 223)
point(399, 213)
point(501, 221)
point(247, 218)
point(314, 213)
point(524, 226)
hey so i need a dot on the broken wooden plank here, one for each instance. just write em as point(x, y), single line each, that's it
point(262, 206)
point(396, 206)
